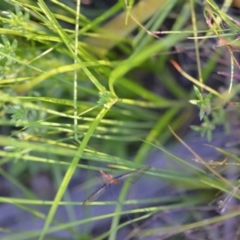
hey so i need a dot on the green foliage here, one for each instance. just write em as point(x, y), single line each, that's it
point(210, 116)
point(18, 114)
point(8, 49)
point(203, 102)
point(94, 91)
point(16, 21)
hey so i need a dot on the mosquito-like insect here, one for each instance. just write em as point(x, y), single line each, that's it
point(109, 179)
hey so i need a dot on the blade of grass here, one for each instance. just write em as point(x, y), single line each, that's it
point(201, 160)
point(73, 165)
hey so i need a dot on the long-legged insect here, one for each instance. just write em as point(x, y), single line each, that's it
point(109, 179)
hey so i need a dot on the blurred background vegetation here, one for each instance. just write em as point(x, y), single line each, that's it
point(91, 84)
